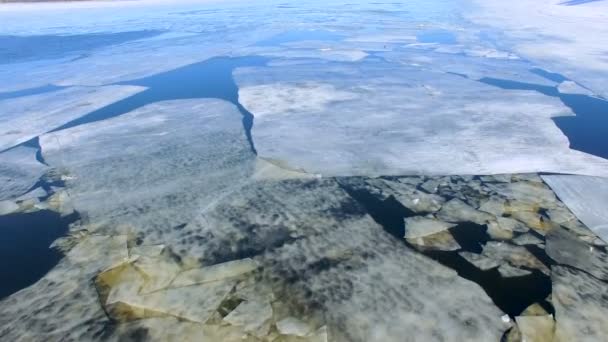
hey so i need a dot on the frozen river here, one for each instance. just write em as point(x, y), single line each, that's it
point(281, 171)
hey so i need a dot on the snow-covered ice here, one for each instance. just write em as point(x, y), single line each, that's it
point(378, 118)
point(568, 38)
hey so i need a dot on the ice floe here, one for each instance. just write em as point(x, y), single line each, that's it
point(586, 197)
point(154, 169)
point(369, 118)
point(26, 117)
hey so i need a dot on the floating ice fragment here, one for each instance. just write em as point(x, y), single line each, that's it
point(442, 241)
point(515, 255)
point(293, 326)
point(222, 271)
point(508, 271)
point(480, 261)
point(456, 210)
point(419, 226)
point(254, 316)
point(125, 301)
point(527, 239)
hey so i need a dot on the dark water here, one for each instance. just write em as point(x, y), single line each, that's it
point(22, 48)
point(588, 130)
point(25, 255)
point(208, 79)
point(511, 295)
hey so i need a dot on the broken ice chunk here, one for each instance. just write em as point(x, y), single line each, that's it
point(293, 326)
point(527, 239)
point(125, 302)
point(216, 272)
point(480, 261)
point(420, 226)
point(497, 232)
point(536, 328)
point(494, 206)
point(147, 250)
point(456, 210)
point(514, 255)
point(534, 220)
point(431, 185)
point(254, 316)
point(159, 272)
point(532, 193)
point(508, 271)
point(443, 241)
point(567, 249)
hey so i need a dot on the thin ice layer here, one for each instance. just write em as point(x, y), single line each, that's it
point(151, 171)
point(19, 171)
point(380, 118)
point(586, 197)
point(24, 118)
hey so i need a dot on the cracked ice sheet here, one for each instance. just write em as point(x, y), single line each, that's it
point(571, 40)
point(474, 68)
point(368, 272)
point(586, 197)
point(19, 171)
point(153, 169)
point(27, 117)
point(378, 118)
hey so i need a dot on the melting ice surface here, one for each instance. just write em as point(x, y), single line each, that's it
point(314, 172)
